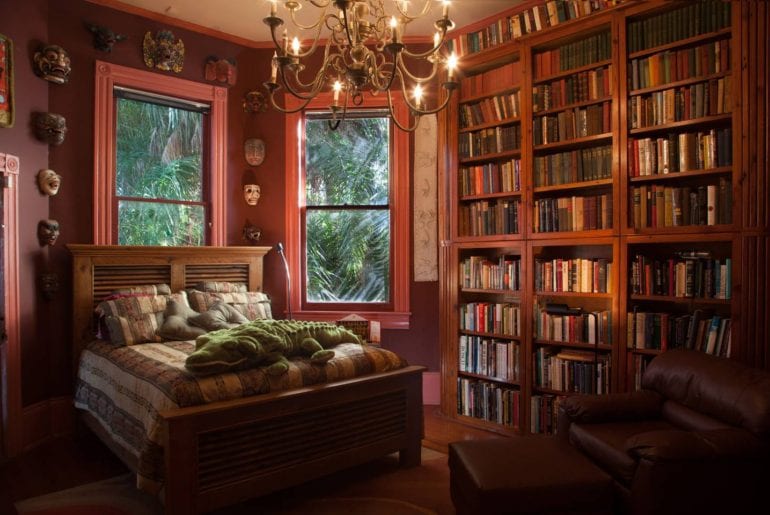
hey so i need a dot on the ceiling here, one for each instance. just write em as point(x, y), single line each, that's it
point(243, 18)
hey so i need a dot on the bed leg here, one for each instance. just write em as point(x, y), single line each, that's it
point(410, 456)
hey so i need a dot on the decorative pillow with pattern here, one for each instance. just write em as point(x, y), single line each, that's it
point(144, 289)
point(251, 304)
point(135, 319)
point(221, 287)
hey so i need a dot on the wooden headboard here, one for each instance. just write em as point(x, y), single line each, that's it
point(100, 269)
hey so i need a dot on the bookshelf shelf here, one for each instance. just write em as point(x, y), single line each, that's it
point(571, 234)
point(513, 294)
point(487, 125)
point(472, 99)
point(679, 83)
point(501, 194)
point(572, 71)
point(679, 300)
point(490, 335)
point(577, 345)
point(578, 294)
point(490, 238)
point(574, 186)
point(490, 157)
point(694, 122)
point(686, 175)
point(702, 38)
point(506, 382)
point(683, 230)
point(585, 141)
point(572, 105)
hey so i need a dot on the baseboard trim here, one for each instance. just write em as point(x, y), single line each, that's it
point(47, 419)
point(431, 388)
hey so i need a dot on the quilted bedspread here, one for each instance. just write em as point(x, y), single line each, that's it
point(127, 387)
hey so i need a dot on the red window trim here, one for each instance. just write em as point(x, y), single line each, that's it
point(109, 75)
point(397, 316)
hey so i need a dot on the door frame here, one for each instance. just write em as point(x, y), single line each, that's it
point(10, 372)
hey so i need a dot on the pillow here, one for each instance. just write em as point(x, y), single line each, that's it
point(133, 330)
point(176, 325)
point(221, 287)
point(134, 319)
point(218, 316)
point(252, 304)
point(144, 289)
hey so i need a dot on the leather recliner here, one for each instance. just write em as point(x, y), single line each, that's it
point(695, 439)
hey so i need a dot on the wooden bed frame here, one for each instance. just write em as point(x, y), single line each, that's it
point(215, 454)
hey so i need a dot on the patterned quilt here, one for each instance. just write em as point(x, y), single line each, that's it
point(127, 387)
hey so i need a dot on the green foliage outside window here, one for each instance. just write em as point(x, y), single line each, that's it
point(159, 178)
point(348, 213)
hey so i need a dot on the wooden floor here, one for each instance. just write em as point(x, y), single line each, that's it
point(68, 462)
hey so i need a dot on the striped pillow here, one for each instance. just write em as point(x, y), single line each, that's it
point(251, 304)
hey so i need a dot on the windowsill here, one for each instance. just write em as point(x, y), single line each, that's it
point(388, 320)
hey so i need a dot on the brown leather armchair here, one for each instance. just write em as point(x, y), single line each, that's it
point(695, 439)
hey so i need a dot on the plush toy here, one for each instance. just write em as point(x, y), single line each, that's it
point(266, 342)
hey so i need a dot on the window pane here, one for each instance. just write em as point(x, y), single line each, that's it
point(348, 256)
point(157, 223)
point(349, 165)
point(158, 152)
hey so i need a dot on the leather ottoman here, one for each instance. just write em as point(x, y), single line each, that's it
point(533, 474)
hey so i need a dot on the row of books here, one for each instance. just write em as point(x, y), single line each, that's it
point(680, 152)
point(580, 87)
point(574, 371)
point(504, 76)
point(663, 331)
point(543, 413)
point(573, 325)
point(484, 218)
point(578, 122)
point(480, 272)
point(588, 164)
point(496, 359)
point(708, 98)
point(488, 401)
point(656, 205)
point(573, 275)
point(700, 277)
point(538, 17)
point(586, 213)
point(675, 65)
point(496, 177)
point(637, 364)
point(489, 141)
point(691, 20)
point(503, 318)
point(583, 52)
point(491, 109)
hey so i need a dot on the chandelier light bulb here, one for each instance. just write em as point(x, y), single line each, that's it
point(436, 39)
point(451, 65)
point(295, 46)
point(274, 69)
point(337, 88)
point(417, 96)
point(445, 12)
point(273, 8)
point(394, 29)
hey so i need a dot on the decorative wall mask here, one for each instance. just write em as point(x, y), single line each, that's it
point(49, 285)
point(47, 232)
point(163, 52)
point(254, 102)
point(48, 182)
point(50, 127)
point(220, 70)
point(251, 233)
point(104, 38)
point(53, 64)
point(254, 151)
point(251, 193)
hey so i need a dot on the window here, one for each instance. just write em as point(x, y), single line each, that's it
point(160, 184)
point(159, 159)
point(347, 215)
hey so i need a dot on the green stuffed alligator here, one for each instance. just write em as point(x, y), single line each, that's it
point(266, 342)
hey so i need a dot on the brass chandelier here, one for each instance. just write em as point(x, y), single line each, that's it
point(363, 51)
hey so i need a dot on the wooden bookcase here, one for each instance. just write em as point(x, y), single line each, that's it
point(586, 187)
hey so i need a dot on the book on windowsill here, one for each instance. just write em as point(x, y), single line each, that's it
point(367, 330)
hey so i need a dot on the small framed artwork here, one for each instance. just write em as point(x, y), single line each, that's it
point(6, 82)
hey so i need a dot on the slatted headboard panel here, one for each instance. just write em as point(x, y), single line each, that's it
point(100, 269)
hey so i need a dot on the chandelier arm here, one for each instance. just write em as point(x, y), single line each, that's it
point(346, 27)
point(315, 85)
point(405, 15)
point(416, 78)
point(275, 40)
point(320, 5)
point(316, 39)
point(437, 108)
point(319, 23)
point(422, 55)
point(287, 110)
point(405, 128)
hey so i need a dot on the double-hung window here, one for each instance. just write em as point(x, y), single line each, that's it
point(347, 215)
point(158, 159)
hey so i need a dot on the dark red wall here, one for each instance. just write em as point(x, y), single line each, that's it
point(45, 324)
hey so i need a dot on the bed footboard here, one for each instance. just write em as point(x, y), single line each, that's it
point(225, 453)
